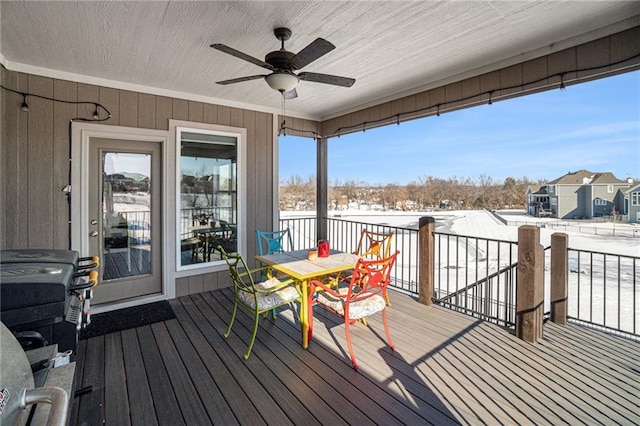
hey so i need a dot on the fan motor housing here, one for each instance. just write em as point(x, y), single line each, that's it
point(280, 59)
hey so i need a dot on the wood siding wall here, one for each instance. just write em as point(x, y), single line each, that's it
point(604, 51)
point(35, 154)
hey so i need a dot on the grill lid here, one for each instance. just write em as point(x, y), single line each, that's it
point(32, 284)
point(39, 256)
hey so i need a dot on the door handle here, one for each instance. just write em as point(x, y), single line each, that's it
point(93, 233)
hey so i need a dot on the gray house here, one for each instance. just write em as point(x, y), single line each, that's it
point(580, 194)
point(632, 204)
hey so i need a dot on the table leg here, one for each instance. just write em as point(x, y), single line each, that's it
point(304, 319)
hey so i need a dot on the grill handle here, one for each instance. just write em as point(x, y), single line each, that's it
point(95, 262)
point(91, 282)
point(55, 396)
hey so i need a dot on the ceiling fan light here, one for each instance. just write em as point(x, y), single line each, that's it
point(282, 81)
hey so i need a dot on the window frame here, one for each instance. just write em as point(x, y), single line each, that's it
point(177, 128)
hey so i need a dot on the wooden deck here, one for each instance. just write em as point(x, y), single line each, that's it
point(447, 369)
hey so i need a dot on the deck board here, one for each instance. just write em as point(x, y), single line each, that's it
point(192, 408)
point(80, 360)
point(164, 398)
point(260, 397)
point(342, 364)
point(320, 376)
point(117, 399)
point(329, 407)
point(277, 382)
point(90, 409)
point(211, 397)
point(234, 396)
point(448, 368)
point(140, 398)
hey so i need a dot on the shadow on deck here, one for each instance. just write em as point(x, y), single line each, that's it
point(447, 369)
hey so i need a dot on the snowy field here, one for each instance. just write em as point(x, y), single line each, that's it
point(479, 223)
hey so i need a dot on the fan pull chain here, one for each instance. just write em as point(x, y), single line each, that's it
point(282, 126)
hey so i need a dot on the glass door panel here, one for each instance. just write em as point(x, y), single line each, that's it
point(126, 201)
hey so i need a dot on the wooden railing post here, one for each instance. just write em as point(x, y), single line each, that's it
point(427, 226)
point(530, 284)
point(559, 277)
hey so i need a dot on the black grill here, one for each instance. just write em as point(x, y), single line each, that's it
point(46, 291)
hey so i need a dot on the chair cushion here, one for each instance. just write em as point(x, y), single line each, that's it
point(267, 284)
point(357, 310)
point(267, 301)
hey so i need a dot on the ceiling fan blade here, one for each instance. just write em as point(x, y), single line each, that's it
point(238, 54)
point(291, 94)
point(240, 79)
point(327, 79)
point(317, 48)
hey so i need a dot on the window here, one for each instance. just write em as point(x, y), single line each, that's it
point(610, 189)
point(600, 202)
point(635, 198)
point(207, 195)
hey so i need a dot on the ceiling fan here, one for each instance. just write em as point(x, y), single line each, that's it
point(283, 63)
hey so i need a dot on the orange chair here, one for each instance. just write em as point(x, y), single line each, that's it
point(372, 245)
point(363, 297)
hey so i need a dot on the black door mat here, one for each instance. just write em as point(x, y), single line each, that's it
point(123, 319)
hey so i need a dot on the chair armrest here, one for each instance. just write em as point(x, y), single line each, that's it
point(266, 269)
point(325, 287)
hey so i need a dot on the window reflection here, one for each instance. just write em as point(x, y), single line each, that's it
point(208, 196)
point(126, 214)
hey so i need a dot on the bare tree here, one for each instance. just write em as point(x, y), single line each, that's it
point(426, 191)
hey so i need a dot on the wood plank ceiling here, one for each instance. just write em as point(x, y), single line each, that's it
point(391, 48)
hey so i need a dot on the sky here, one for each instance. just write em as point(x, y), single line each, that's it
point(593, 126)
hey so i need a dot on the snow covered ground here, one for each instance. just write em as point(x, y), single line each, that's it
point(480, 223)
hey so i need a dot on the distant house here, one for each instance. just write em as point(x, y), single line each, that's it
point(632, 202)
point(576, 195)
point(538, 203)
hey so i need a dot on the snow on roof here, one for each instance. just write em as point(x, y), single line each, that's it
point(581, 177)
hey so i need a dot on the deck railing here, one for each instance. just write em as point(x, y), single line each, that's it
point(604, 290)
point(477, 276)
point(303, 232)
point(344, 234)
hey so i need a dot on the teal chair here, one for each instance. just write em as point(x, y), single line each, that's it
point(270, 242)
point(256, 298)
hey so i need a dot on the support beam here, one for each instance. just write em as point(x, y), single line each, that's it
point(530, 284)
point(559, 277)
point(322, 188)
